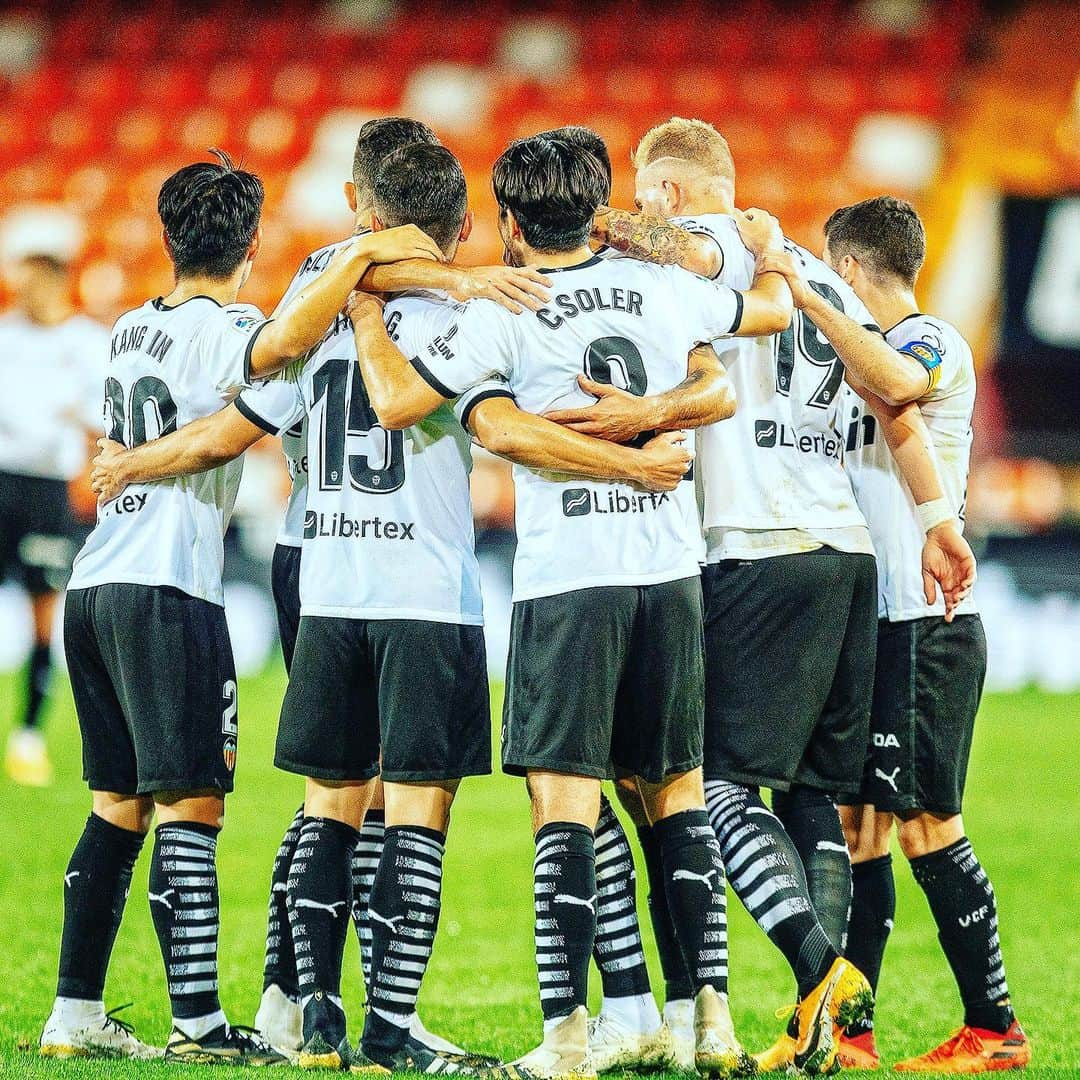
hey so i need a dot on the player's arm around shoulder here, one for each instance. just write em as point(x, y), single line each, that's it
point(651, 238)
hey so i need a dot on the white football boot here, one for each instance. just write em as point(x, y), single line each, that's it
point(679, 1018)
point(101, 1036)
point(564, 1053)
point(614, 1045)
point(280, 1020)
point(717, 1052)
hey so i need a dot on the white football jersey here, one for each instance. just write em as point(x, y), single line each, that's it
point(388, 532)
point(168, 366)
point(882, 492)
point(294, 440)
point(776, 464)
point(616, 321)
point(53, 376)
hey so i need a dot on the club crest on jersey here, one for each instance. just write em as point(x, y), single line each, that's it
point(245, 322)
point(228, 752)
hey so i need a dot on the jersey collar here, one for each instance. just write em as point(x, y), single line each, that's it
point(591, 261)
point(160, 305)
point(913, 315)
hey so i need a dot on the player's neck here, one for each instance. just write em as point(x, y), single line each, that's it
point(889, 305)
point(224, 291)
point(706, 204)
point(555, 260)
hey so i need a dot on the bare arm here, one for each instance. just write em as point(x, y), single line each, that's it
point(703, 397)
point(513, 287)
point(203, 444)
point(652, 239)
point(307, 317)
point(530, 440)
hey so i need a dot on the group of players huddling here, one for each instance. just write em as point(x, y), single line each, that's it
point(812, 655)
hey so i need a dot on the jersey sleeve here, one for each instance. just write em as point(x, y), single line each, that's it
point(482, 391)
point(475, 345)
point(708, 309)
point(933, 347)
point(224, 346)
point(728, 243)
point(276, 404)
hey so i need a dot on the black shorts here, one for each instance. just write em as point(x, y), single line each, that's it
point(606, 678)
point(415, 690)
point(37, 532)
point(789, 669)
point(926, 693)
point(285, 585)
point(155, 689)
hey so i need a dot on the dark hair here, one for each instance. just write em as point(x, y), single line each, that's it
point(422, 185)
point(377, 140)
point(885, 234)
point(552, 187)
point(589, 140)
point(210, 213)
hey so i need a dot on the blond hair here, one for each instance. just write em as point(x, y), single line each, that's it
point(686, 140)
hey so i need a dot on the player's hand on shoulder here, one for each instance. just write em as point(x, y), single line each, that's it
point(364, 304)
point(107, 478)
point(787, 264)
point(616, 416)
point(514, 288)
point(759, 230)
point(665, 461)
point(394, 245)
point(948, 561)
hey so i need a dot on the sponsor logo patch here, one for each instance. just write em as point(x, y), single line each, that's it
point(765, 432)
point(576, 502)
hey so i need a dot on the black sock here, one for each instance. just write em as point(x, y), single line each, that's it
point(320, 893)
point(183, 891)
point(365, 864)
point(873, 908)
point(95, 890)
point(810, 818)
point(564, 897)
point(618, 951)
point(962, 902)
point(697, 895)
point(38, 677)
point(404, 915)
point(279, 967)
point(767, 875)
point(678, 985)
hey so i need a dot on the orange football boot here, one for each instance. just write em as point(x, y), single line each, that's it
point(974, 1050)
point(857, 1051)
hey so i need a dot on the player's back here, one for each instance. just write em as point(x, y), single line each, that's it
point(168, 366)
point(631, 325)
point(776, 464)
point(388, 531)
point(884, 497)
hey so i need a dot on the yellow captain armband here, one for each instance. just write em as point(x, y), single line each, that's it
point(929, 357)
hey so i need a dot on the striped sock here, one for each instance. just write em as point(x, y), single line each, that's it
point(767, 875)
point(183, 890)
point(618, 951)
point(403, 915)
point(365, 864)
point(564, 897)
point(697, 896)
point(279, 967)
point(964, 907)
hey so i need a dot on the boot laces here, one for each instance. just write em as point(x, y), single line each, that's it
point(114, 1023)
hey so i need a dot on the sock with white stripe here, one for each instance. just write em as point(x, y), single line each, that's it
point(766, 873)
point(810, 818)
point(873, 909)
point(279, 967)
point(404, 915)
point(617, 950)
point(564, 897)
point(320, 891)
point(365, 864)
point(697, 896)
point(183, 890)
point(962, 902)
point(677, 983)
point(95, 891)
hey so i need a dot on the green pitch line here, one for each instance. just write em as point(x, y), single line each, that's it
point(481, 989)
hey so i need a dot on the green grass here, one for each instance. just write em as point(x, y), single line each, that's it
point(481, 989)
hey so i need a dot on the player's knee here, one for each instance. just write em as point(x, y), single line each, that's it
point(424, 806)
point(851, 823)
point(340, 801)
point(683, 791)
point(923, 833)
point(202, 807)
point(559, 797)
point(130, 812)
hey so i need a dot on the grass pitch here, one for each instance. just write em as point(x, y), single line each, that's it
point(1022, 811)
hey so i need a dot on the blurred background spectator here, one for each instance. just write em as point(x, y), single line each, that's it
point(971, 110)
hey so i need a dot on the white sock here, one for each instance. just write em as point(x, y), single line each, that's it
point(637, 1013)
point(392, 1018)
point(76, 1012)
point(429, 1039)
point(195, 1027)
point(679, 1014)
point(335, 998)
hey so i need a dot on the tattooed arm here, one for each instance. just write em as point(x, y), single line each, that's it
point(652, 239)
